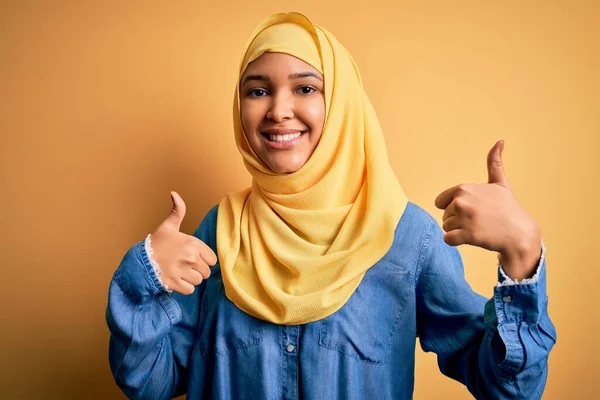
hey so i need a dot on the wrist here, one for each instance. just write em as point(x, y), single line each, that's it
point(521, 260)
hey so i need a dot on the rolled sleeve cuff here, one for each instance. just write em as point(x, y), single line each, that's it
point(511, 311)
point(517, 303)
point(523, 301)
point(136, 276)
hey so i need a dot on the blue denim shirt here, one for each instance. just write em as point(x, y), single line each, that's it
point(165, 344)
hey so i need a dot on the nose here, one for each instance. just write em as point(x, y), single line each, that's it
point(281, 108)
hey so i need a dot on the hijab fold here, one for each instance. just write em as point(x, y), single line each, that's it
point(294, 247)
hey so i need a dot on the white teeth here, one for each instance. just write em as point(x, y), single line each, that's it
point(284, 138)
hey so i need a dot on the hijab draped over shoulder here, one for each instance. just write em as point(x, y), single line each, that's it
point(294, 247)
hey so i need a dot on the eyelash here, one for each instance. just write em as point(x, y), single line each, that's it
point(251, 92)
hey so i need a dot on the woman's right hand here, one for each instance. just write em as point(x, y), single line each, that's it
point(184, 260)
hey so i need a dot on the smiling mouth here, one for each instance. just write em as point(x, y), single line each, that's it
point(288, 137)
point(282, 139)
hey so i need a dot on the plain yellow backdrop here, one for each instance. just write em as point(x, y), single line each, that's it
point(106, 107)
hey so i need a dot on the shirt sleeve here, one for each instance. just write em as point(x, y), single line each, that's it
point(152, 331)
point(497, 347)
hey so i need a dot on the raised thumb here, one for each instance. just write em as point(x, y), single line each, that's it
point(495, 165)
point(177, 211)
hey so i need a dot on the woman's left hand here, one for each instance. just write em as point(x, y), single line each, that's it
point(489, 216)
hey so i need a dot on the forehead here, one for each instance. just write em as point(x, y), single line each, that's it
point(278, 63)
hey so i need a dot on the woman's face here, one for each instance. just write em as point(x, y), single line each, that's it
point(282, 110)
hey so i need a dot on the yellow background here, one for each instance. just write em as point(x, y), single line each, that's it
point(104, 108)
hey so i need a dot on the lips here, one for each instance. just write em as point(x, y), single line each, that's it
point(279, 139)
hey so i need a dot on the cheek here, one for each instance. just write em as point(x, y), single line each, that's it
point(249, 117)
point(314, 114)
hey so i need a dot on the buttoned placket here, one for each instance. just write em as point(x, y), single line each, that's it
point(289, 367)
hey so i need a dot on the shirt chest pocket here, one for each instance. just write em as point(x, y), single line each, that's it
point(365, 327)
point(225, 328)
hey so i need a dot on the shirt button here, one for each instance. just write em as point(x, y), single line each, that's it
point(507, 299)
point(290, 348)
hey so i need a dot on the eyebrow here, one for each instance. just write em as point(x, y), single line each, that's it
point(298, 75)
point(305, 75)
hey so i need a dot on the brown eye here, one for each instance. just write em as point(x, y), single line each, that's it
point(306, 89)
point(257, 93)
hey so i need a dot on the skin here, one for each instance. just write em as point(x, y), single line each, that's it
point(488, 215)
point(279, 91)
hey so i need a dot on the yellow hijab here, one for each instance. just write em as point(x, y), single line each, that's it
point(294, 247)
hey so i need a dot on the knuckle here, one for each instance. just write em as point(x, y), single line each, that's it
point(189, 255)
point(204, 254)
point(464, 190)
point(459, 203)
point(191, 259)
point(189, 250)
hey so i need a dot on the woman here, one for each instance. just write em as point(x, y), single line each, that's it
point(315, 282)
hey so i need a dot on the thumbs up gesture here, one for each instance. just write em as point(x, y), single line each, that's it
point(184, 260)
point(488, 215)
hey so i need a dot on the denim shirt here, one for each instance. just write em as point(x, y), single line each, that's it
point(165, 344)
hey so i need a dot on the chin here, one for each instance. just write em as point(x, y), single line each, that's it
point(284, 170)
point(287, 168)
